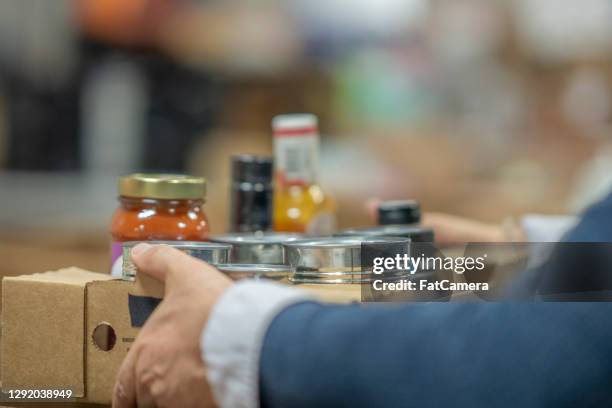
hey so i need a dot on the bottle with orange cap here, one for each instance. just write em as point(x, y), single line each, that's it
point(300, 204)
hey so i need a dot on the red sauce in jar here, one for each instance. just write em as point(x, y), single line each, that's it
point(161, 207)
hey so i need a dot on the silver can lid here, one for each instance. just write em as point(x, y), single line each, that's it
point(344, 242)
point(257, 248)
point(255, 271)
point(255, 238)
point(333, 259)
point(256, 268)
point(415, 233)
point(213, 253)
point(192, 245)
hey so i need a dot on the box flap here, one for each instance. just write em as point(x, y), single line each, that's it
point(68, 276)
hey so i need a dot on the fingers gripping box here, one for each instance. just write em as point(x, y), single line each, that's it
point(69, 330)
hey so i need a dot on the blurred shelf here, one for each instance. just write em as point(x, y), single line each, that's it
point(56, 201)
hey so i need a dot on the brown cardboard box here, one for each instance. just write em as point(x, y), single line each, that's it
point(56, 329)
point(69, 329)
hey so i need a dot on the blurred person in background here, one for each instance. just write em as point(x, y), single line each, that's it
point(121, 85)
point(51, 52)
point(39, 82)
point(181, 101)
point(586, 103)
point(452, 229)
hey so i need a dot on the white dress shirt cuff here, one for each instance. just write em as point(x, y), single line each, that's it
point(233, 337)
point(542, 231)
point(547, 228)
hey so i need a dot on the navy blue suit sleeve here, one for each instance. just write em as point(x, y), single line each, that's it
point(595, 224)
point(449, 355)
point(439, 355)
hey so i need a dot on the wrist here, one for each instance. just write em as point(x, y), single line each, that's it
point(231, 342)
point(512, 231)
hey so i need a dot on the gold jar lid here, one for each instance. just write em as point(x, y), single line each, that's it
point(163, 186)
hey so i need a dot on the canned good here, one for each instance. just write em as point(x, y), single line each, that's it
point(257, 248)
point(331, 268)
point(336, 270)
point(334, 260)
point(213, 253)
point(255, 271)
point(415, 233)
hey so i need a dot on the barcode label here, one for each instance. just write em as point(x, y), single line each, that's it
point(296, 158)
point(294, 162)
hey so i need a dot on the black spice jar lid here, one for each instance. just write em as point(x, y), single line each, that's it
point(399, 212)
point(248, 168)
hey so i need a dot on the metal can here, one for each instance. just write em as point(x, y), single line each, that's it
point(332, 268)
point(333, 260)
point(257, 248)
point(255, 271)
point(213, 253)
point(415, 233)
point(337, 270)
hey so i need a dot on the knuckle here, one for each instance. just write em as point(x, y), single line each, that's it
point(157, 256)
point(119, 394)
point(142, 346)
point(161, 251)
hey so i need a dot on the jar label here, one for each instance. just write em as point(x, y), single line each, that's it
point(296, 158)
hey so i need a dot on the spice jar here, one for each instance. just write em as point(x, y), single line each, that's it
point(165, 207)
point(251, 194)
point(397, 218)
point(399, 212)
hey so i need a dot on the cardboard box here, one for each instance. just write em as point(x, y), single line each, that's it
point(70, 329)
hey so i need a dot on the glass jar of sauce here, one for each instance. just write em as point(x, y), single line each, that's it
point(159, 207)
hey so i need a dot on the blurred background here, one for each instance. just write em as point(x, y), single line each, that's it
point(483, 108)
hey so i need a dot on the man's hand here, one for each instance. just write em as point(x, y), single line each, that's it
point(164, 367)
point(452, 229)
